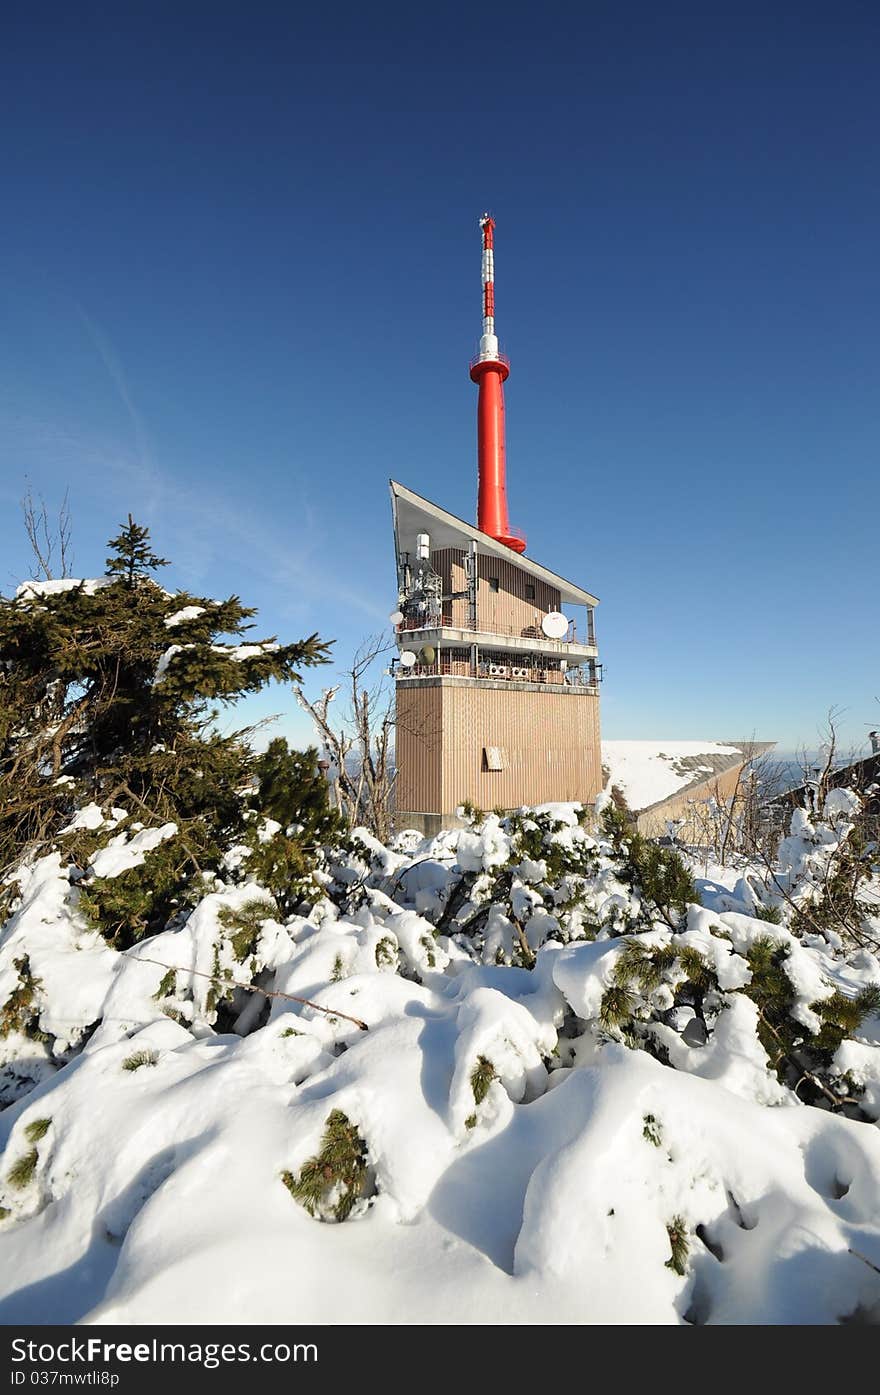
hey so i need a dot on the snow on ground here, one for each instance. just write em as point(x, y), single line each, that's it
point(554, 1211)
point(648, 771)
point(549, 1196)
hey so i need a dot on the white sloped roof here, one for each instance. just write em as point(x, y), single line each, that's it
point(414, 515)
point(647, 772)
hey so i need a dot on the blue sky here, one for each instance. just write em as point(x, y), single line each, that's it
point(239, 285)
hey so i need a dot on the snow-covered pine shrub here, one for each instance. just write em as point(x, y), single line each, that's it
point(538, 877)
point(679, 1244)
point(23, 1169)
point(651, 1131)
point(482, 1076)
point(140, 1058)
point(22, 1172)
point(20, 1011)
point(804, 1059)
point(352, 864)
point(293, 823)
point(825, 878)
point(657, 874)
point(244, 924)
point(595, 1111)
point(539, 869)
point(521, 880)
point(386, 953)
point(544, 877)
point(668, 1000)
point(332, 1183)
point(142, 899)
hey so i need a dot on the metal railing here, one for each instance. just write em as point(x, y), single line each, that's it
point(572, 678)
point(516, 533)
point(445, 622)
point(496, 358)
point(413, 622)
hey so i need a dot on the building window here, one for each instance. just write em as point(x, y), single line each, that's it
point(493, 583)
point(530, 591)
point(494, 757)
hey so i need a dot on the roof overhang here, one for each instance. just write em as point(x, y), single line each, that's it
point(413, 515)
point(706, 765)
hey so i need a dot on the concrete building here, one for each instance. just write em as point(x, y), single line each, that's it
point(497, 678)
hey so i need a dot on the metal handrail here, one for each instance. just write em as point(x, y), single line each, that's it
point(435, 671)
point(496, 358)
point(413, 624)
point(521, 632)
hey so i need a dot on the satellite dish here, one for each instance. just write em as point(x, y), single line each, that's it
point(428, 654)
point(555, 625)
point(396, 617)
point(407, 658)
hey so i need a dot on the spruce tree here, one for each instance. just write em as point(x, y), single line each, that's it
point(133, 557)
point(292, 791)
point(109, 691)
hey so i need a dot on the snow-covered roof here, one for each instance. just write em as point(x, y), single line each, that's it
point(647, 772)
point(414, 515)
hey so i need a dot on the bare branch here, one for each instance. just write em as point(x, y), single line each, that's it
point(255, 988)
point(48, 540)
point(64, 530)
point(357, 743)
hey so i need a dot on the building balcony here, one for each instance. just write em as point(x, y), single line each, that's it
point(416, 676)
point(538, 671)
point(528, 639)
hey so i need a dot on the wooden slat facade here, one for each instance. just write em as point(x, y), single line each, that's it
point(418, 750)
point(509, 610)
point(450, 714)
point(549, 742)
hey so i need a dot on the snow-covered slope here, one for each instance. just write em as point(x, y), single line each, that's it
point(520, 1167)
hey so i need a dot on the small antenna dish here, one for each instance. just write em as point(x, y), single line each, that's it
point(555, 625)
point(407, 658)
point(396, 617)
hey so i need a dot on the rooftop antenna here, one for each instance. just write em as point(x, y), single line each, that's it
point(489, 370)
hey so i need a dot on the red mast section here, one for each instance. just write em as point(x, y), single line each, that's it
point(489, 369)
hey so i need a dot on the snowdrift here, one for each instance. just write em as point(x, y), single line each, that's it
point(514, 1159)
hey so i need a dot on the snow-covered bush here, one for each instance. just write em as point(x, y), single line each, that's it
point(525, 1071)
point(333, 1185)
point(825, 878)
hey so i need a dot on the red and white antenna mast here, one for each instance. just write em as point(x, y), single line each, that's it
point(489, 370)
